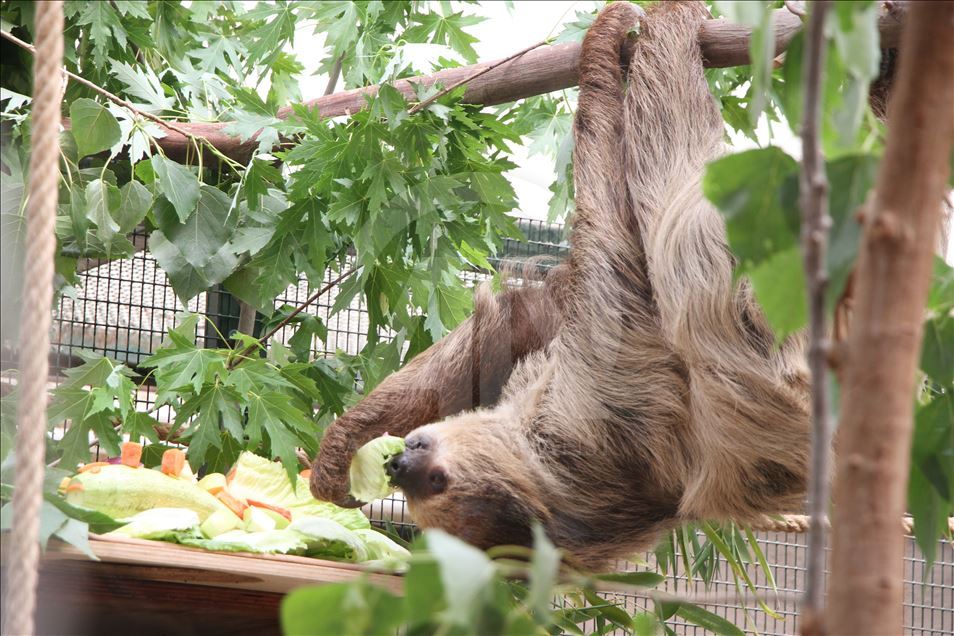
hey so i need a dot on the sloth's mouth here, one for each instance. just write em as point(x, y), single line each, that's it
point(414, 471)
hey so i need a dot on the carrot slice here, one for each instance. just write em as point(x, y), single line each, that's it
point(261, 504)
point(234, 504)
point(131, 454)
point(75, 487)
point(92, 467)
point(173, 461)
point(306, 473)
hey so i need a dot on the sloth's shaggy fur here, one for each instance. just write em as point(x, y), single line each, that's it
point(640, 386)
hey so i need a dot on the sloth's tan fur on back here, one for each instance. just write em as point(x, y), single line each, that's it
point(657, 396)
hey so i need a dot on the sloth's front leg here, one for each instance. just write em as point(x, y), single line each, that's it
point(465, 370)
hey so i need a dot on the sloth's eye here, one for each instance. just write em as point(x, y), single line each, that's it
point(417, 442)
point(438, 481)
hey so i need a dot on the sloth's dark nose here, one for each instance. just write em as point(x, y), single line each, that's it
point(398, 468)
point(411, 471)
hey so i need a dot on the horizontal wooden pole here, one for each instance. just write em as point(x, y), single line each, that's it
point(542, 70)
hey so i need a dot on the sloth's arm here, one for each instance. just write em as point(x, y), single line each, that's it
point(466, 369)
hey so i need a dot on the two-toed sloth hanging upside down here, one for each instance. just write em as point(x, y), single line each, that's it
point(639, 387)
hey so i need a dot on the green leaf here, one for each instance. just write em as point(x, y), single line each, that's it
point(704, 618)
point(932, 448)
point(142, 83)
point(850, 178)
point(141, 425)
point(179, 186)
point(257, 376)
point(642, 579)
point(937, 350)
point(856, 37)
point(282, 423)
point(94, 126)
point(609, 611)
point(356, 608)
point(104, 25)
point(447, 30)
point(180, 363)
point(941, 294)
point(544, 566)
point(761, 47)
point(102, 198)
point(466, 574)
point(931, 481)
point(96, 521)
point(196, 254)
point(134, 202)
point(779, 285)
point(423, 591)
point(753, 190)
point(792, 100)
point(930, 513)
point(215, 408)
point(76, 533)
point(267, 275)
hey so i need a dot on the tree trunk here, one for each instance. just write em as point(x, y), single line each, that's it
point(880, 370)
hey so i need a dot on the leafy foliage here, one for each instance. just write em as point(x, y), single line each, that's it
point(399, 206)
point(757, 192)
point(454, 588)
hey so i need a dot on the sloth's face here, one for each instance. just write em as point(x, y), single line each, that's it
point(462, 475)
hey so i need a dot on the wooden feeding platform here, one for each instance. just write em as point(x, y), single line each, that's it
point(143, 588)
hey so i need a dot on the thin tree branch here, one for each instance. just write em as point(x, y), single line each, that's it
point(884, 342)
point(433, 98)
point(333, 76)
point(241, 355)
point(814, 239)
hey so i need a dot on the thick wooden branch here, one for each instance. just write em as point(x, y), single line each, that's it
point(540, 71)
point(884, 343)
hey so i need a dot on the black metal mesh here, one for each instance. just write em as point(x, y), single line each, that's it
point(121, 309)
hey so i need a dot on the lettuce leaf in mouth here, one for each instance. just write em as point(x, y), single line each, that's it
point(369, 480)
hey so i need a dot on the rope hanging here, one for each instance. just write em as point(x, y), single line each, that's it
point(35, 317)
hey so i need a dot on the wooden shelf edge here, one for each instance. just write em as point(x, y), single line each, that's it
point(169, 562)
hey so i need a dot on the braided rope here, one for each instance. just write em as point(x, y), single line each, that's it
point(35, 317)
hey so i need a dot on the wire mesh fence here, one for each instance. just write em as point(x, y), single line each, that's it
point(122, 309)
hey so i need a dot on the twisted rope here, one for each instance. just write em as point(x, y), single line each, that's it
point(20, 601)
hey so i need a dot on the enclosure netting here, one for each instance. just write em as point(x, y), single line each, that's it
point(122, 309)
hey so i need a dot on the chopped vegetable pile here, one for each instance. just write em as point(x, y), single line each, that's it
point(255, 508)
point(369, 480)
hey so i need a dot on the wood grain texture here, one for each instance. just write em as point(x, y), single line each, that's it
point(157, 560)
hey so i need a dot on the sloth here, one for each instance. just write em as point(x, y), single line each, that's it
point(639, 387)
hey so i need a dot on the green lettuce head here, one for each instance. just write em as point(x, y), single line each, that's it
point(369, 481)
